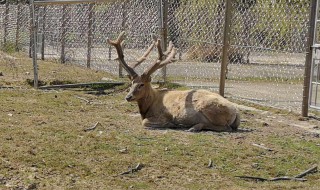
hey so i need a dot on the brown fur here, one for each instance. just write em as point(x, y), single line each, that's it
point(194, 109)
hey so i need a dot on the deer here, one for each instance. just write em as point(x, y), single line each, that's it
point(194, 110)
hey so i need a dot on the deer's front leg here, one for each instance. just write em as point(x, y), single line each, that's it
point(157, 123)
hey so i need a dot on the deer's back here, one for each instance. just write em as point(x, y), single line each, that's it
point(195, 106)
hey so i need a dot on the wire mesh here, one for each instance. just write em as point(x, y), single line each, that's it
point(270, 45)
point(15, 30)
point(266, 57)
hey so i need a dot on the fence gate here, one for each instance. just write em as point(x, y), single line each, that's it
point(314, 100)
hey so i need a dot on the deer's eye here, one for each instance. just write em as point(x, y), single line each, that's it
point(141, 85)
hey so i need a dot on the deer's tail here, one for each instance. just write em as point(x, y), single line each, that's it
point(234, 126)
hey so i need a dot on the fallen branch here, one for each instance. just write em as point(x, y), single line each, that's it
point(311, 170)
point(91, 128)
point(295, 178)
point(132, 170)
point(261, 146)
point(253, 178)
point(285, 178)
point(79, 85)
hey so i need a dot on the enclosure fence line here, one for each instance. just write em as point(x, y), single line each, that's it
point(249, 50)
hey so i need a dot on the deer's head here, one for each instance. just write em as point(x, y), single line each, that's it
point(140, 84)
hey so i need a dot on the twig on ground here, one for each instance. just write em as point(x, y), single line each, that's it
point(261, 146)
point(91, 128)
point(132, 170)
point(311, 170)
point(287, 178)
point(253, 178)
point(88, 101)
point(210, 165)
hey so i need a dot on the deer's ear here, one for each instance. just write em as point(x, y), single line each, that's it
point(130, 77)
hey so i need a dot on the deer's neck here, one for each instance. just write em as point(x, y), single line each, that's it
point(146, 102)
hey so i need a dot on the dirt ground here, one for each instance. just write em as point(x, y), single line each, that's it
point(46, 140)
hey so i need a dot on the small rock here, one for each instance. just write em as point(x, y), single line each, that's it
point(10, 114)
point(303, 119)
point(27, 73)
point(255, 165)
point(125, 150)
point(32, 186)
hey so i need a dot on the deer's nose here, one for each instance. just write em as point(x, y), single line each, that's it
point(129, 97)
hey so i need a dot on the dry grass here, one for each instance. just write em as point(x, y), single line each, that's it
point(44, 145)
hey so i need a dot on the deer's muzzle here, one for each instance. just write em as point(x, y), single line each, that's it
point(129, 98)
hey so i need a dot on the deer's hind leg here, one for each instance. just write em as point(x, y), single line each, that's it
point(201, 126)
point(196, 128)
point(157, 123)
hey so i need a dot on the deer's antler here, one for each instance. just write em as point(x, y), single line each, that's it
point(129, 67)
point(117, 44)
point(163, 59)
point(145, 55)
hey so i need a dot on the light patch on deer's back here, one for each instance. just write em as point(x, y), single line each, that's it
point(220, 112)
point(190, 106)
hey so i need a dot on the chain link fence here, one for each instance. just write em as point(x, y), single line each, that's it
point(267, 41)
point(15, 27)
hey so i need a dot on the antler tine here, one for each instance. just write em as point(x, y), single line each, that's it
point(145, 55)
point(118, 45)
point(170, 58)
point(160, 62)
point(168, 49)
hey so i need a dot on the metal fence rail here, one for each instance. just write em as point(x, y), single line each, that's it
point(265, 55)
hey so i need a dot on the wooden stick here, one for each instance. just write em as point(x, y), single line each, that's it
point(210, 165)
point(295, 178)
point(261, 146)
point(132, 170)
point(284, 178)
point(287, 178)
point(91, 128)
point(253, 178)
point(311, 170)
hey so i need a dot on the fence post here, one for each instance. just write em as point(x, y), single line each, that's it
point(18, 26)
point(90, 33)
point(6, 22)
point(308, 63)
point(226, 46)
point(63, 34)
point(163, 26)
point(34, 45)
point(43, 30)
